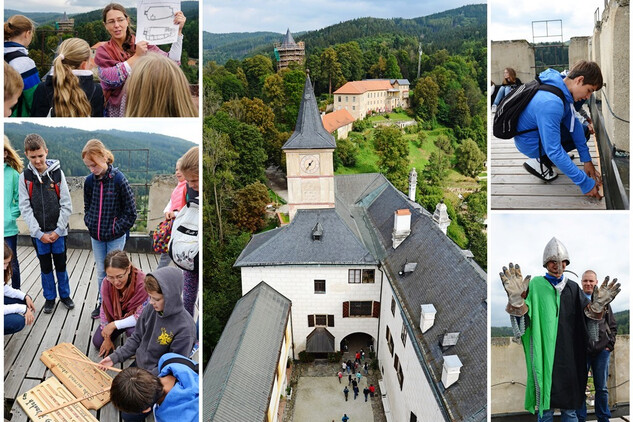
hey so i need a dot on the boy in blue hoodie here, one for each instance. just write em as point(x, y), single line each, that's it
point(558, 130)
point(46, 207)
point(173, 394)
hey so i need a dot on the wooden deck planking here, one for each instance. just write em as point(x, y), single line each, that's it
point(512, 187)
point(23, 368)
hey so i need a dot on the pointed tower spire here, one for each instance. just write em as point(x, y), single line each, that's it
point(309, 132)
point(288, 39)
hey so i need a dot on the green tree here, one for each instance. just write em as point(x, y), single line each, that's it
point(256, 69)
point(345, 153)
point(378, 69)
point(470, 160)
point(444, 143)
point(331, 69)
point(425, 94)
point(392, 70)
point(249, 207)
point(393, 155)
point(437, 168)
point(350, 56)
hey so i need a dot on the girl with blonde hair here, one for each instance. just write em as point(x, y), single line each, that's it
point(13, 86)
point(18, 34)
point(13, 166)
point(118, 57)
point(109, 205)
point(158, 88)
point(70, 90)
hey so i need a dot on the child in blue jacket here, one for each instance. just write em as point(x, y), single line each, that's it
point(173, 394)
point(558, 130)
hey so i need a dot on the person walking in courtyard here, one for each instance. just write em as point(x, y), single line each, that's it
point(346, 392)
point(362, 354)
point(372, 390)
point(343, 367)
point(345, 418)
point(349, 379)
point(356, 390)
point(366, 392)
point(339, 375)
point(366, 368)
point(358, 376)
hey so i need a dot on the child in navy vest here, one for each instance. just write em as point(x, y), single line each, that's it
point(46, 207)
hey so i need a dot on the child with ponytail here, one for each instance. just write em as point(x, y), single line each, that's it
point(70, 91)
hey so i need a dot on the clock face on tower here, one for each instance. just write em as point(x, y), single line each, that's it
point(309, 164)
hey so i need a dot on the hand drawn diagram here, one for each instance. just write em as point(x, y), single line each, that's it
point(155, 21)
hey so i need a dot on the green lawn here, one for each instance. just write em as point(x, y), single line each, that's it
point(392, 116)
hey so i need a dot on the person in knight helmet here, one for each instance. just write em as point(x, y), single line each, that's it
point(555, 322)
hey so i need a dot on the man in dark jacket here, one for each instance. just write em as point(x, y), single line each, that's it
point(598, 353)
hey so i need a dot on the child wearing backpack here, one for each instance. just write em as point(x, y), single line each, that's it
point(547, 127)
point(70, 90)
point(183, 247)
point(109, 206)
point(46, 207)
point(173, 394)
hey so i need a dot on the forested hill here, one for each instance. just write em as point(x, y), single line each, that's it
point(445, 30)
point(65, 144)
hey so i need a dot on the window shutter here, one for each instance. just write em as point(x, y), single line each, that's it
point(345, 309)
point(376, 310)
point(330, 320)
point(310, 320)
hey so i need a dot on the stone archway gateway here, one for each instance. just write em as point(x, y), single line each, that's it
point(356, 341)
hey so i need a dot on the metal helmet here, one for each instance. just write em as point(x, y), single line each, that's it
point(555, 251)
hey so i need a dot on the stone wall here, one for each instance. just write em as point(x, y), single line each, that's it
point(508, 375)
point(517, 54)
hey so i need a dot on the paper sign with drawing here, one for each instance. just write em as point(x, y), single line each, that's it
point(155, 21)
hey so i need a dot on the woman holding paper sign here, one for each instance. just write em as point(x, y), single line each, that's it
point(117, 57)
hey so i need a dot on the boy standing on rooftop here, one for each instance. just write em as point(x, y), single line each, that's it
point(557, 129)
point(46, 206)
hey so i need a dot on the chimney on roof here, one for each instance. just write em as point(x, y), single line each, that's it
point(450, 370)
point(413, 180)
point(427, 317)
point(401, 226)
point(440, 216)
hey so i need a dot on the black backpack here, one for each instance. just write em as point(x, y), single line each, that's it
point(506, 119)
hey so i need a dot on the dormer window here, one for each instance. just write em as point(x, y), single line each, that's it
point(317, 232)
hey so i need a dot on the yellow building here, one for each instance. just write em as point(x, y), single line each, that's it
point(361, 98)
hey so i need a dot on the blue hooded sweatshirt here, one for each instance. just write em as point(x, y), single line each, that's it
point(546, 113)
point(181, 403)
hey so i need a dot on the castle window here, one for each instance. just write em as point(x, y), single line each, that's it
point(321, 320)
point(319, 286)
point(389, 341)
point(360, 308)
point(339, 98)
point(393, 306)
point(403, 335)
point(398, 367)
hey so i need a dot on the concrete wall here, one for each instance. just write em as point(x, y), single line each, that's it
point(416, 395)
point(578, 50)
point(611, 37)
point(517, 54)
point(508, 375)
point(159, 194)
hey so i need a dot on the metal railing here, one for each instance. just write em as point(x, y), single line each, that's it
point(134, 163)
point(616, 192)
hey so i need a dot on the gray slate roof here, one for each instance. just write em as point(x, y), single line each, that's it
point(243, 365)
point(293, 244)
point(288, 39)
point(455, 285)
point(309, 132)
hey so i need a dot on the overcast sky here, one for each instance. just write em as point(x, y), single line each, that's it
point(598, 241)
point(60, 6)
point(222, 16)
point(187, 129)
point(510, 20)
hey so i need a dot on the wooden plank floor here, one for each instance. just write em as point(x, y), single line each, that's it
point(512, 187)
point(22, 366)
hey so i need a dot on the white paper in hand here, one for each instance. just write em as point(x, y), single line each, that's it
point(155, 21)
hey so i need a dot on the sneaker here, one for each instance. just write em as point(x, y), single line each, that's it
point(68, 302)
point(49, 305)
point(494, 108)
point(542, 171)
point(96, 312)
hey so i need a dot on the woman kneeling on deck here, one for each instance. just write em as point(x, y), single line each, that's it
point(123, 298)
